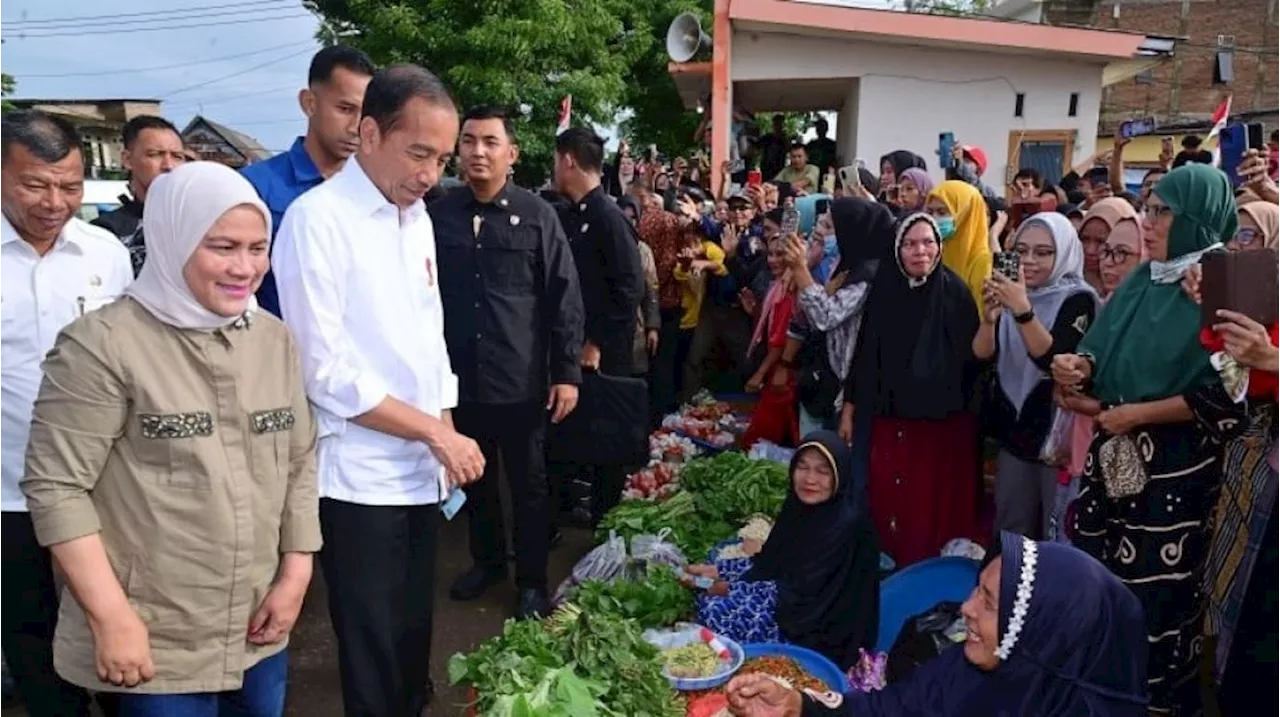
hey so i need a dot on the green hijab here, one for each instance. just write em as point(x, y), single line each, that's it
point(1146, 343)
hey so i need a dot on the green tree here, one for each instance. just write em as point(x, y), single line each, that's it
point(524, 55)
point(948, 7)
point(7, 85)
point(657, 113)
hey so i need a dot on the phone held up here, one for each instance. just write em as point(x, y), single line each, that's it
point(1008, 263)
point(946, 147)
point(754, 178)
point(790, 222)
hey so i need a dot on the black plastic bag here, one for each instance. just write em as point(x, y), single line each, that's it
point(610, 426)
point(923, 637)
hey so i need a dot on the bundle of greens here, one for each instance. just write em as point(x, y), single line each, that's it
point(657, 599)
point(575, 664)
point(692, 532)
point(731, 487)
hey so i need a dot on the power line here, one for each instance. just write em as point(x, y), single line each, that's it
point(162, 13)
point(196, 104)
point(154, 21)
point(238, 73)
point(158, 68)
point(204, 25)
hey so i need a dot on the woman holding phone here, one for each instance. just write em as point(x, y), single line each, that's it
point(1042, 310)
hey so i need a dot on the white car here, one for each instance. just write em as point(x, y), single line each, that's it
point(100, 197)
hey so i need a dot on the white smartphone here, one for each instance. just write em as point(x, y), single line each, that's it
point(450, 507)
point(849, 177)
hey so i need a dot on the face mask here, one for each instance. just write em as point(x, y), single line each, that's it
point(829, 248)
point(946, 226)
point(972, 167)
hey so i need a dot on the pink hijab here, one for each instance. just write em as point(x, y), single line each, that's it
point(1110, 211)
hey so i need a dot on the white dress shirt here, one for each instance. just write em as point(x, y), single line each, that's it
point(86, 269)
point(357, 282)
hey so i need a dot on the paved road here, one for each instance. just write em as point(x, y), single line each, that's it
point(314, 689)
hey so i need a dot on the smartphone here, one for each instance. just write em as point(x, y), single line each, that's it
point(790, 222)
point(1255, 135)
point(829, 183)
point(1166, 145)
point(822, 206)
point(1233, 142)
point(946, 145)
point(1138, 127)
point(736, 166)
point(1007, 263)
point(754, 178)
point(849, 178)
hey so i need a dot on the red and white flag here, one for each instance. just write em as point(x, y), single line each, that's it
point(566, 110)
point(1219, 120)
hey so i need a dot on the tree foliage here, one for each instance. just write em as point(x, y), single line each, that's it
point(948, 7)
point(7, 86)
point(523, 55)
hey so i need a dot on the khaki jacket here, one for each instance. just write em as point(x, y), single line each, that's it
point(193, 454)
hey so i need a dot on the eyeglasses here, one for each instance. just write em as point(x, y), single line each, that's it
point(1039, 253)
point(1158, 211)
point(1246, 236)
point(1116, 254)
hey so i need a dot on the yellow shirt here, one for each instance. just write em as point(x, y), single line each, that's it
point(695, 284)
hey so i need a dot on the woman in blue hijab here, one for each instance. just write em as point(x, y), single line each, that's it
point(1051, 633)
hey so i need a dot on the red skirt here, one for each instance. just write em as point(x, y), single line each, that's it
point(923, 484)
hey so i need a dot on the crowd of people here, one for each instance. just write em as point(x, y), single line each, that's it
point(330, 353)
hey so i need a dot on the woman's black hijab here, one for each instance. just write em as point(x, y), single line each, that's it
point(901, 160)
point(864, 233)
point(913, 357)
point(627, 200)
point(825, 559)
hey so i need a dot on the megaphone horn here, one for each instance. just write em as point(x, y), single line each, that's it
point(685, 38)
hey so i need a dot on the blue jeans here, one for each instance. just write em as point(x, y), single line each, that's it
point(261, 695)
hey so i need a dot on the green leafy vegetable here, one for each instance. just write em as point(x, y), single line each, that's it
point(574, 663)
point(656, 600)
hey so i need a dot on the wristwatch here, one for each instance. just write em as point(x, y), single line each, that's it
point(1025, 317)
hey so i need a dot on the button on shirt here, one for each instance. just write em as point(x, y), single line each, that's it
point(278, 181)
point(359, 286)
point(39, 295)
point(512, 306)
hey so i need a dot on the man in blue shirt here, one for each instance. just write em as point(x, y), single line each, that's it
point(331, 102)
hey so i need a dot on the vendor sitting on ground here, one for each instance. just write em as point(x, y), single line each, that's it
point(1051, 633)
point(815, 582)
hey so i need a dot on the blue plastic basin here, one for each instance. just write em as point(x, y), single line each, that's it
point(918, 587)
point(812, 662)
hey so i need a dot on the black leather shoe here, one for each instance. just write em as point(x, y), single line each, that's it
point(472, 584)
point(532, 604)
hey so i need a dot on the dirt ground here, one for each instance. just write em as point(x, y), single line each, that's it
point(314, 688)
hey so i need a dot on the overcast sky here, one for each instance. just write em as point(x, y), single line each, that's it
point(238, 62)
point(265, 44)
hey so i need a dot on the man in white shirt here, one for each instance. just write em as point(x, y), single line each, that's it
point(53, 269)
point(355, 267)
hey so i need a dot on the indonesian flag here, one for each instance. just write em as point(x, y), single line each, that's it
point(1219, 120)
point(566, 109)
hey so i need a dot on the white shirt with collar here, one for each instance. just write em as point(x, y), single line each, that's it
point(358, 287)
point(86, 269)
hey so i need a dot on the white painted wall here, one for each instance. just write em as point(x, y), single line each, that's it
point(907, 95)
point(847, 120)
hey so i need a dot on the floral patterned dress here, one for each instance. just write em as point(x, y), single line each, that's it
point(746, 614)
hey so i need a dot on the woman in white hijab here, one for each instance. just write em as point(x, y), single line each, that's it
point(1043, 311)
point(171, 469)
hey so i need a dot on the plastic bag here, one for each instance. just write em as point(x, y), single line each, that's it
point(605, 562)
point(770, 451)
point(649, 550)
point(924, 637)
point(1056, 450)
